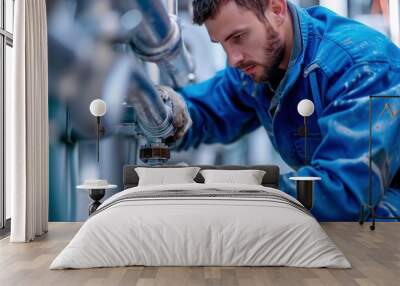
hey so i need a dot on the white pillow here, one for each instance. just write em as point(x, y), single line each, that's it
point(248, 177)
point(163, 176)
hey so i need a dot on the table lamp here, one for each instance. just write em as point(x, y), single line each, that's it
point(304, 185)
point(98, 108)
point(305, 108)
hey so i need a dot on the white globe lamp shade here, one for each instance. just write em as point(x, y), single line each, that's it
point(305, 107)
point(98, 107)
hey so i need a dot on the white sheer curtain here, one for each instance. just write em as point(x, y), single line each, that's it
point(27, 124)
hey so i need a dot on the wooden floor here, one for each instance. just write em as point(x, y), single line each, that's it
point(374, 255)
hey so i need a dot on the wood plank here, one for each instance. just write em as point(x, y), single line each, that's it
point(375, 257)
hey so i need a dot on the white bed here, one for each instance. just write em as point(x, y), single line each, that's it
point(185, 230)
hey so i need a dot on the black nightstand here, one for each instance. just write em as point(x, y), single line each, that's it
point(96, 193)
point(304, 187)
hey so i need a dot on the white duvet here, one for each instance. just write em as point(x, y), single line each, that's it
point(200, 231)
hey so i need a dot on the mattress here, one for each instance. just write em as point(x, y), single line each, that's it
point(201, 225)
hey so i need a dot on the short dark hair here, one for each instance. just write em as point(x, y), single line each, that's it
point(205, 9)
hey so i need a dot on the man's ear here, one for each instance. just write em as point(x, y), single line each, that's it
point(278, 10)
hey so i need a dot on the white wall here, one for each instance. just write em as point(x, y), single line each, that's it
point(338, 6)
point(394, 14)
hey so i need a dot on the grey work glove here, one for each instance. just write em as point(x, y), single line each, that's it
point(180, 114)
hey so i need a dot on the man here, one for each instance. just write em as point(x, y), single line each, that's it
point(278, 55)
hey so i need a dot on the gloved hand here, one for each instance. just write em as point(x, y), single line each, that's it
point(180, 114)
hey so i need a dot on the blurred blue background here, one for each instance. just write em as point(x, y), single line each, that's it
point(79, 64)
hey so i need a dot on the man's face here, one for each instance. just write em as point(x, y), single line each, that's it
point(256, 47)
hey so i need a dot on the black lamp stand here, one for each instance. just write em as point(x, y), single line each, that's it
point(96, 195)
point(100, 131)
point(305, 193)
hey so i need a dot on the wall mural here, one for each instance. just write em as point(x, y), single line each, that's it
point(108, 58)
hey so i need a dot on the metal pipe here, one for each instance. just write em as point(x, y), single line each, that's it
point(158, 39)
point(155, 28)
point(110, 71)
point(129, 84)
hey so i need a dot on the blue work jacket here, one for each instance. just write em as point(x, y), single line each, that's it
point(337, 63)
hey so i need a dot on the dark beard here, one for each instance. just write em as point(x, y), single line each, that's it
point(274, 52)
point(273, 56)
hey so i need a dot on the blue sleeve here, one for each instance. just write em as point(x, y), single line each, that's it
point(220, 110)
point(342, 158)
